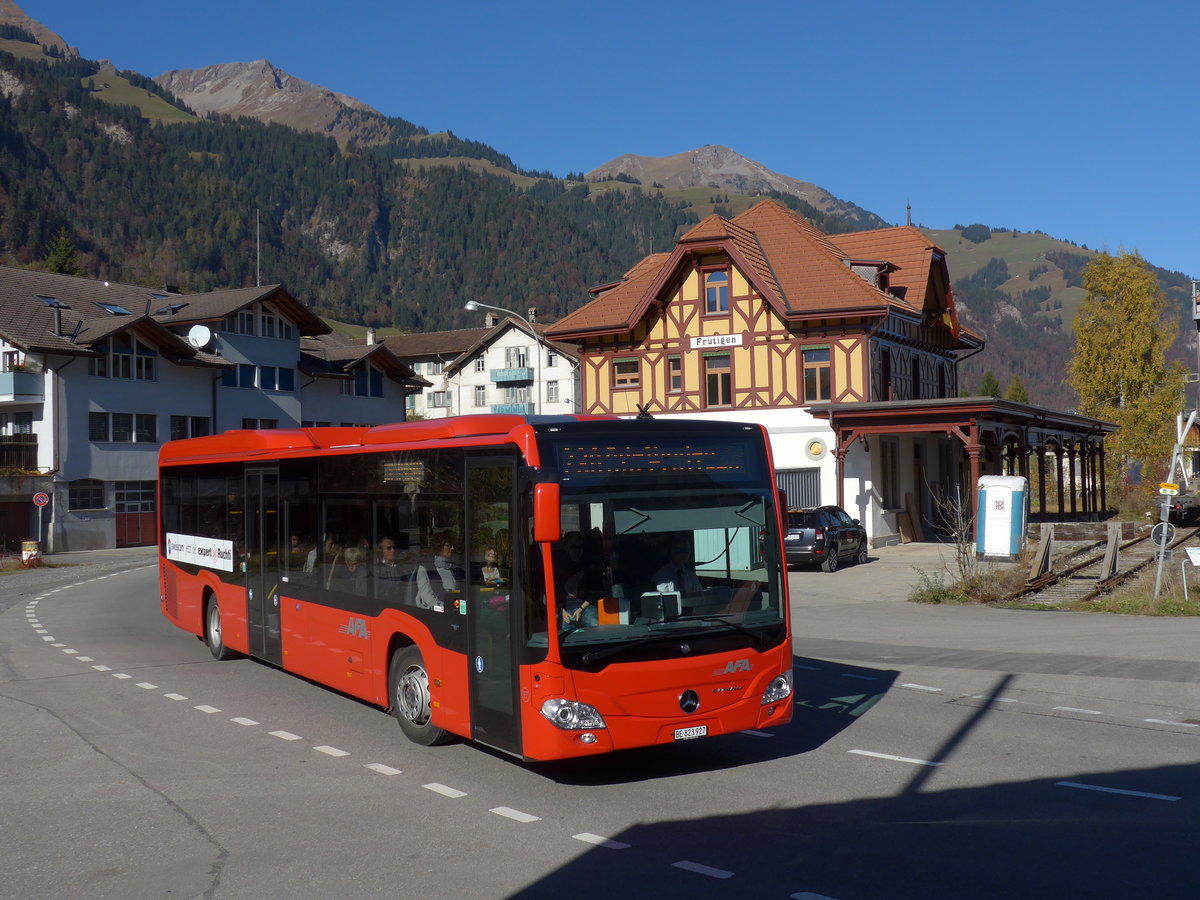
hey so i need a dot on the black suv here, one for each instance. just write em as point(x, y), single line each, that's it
point(824, 536)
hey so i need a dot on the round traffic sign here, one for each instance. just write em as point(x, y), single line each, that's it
point(1162, 534)
point(40, 499)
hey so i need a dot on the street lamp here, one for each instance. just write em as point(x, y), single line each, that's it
point(473, 305)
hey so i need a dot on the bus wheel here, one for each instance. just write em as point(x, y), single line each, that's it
point(408, 685)
point(213, 635)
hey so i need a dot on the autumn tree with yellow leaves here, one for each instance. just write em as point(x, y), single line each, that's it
point(1119, 368)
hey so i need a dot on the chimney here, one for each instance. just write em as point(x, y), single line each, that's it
point(370, 336)
point(490, 320)
point(532, 316)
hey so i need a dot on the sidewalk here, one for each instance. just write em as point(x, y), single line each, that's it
point(890, 575)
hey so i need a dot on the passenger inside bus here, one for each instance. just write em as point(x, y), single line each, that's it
point(350, 575)
point(440, 579)
point(389, 575)
point(583, 581)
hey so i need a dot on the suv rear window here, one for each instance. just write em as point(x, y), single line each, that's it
point(802, 520)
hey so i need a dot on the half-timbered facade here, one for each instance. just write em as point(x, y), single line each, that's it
point(764, 318)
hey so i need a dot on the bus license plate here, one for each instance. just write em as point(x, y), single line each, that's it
point(686, 734)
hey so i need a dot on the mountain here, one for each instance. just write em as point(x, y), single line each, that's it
point(11, 14)
point(719, 168)
point(261, 91)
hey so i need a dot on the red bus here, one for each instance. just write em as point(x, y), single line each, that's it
point(547, 586)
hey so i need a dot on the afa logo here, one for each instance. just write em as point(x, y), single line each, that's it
point(738, 665)
point(355, 628)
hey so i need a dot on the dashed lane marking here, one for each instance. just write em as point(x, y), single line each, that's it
point(1108, 790)
point(175, 696)
point(285, 735)
point(597, 841)
point(689, 866)
point(330, 751)
point(381, 769)
point(515, 814)
point(444, 791)
point(242, 720)
point(1085, 712)
point(903, 759)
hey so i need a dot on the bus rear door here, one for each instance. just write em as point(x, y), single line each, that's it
point(262, 564)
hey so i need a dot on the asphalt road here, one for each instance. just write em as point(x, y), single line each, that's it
point(936, 753)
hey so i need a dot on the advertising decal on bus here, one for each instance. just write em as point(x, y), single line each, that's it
point(200, 551)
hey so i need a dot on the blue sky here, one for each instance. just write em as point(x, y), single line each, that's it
point(1080, 120)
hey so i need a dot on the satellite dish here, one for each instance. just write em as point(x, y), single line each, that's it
point(200, 336)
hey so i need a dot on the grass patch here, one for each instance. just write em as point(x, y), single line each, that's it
point(936, 588)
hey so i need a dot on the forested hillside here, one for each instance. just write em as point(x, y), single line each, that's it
point(362, 235)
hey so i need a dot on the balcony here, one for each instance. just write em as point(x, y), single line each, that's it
point(513, 409)
point(500, 376)
point(21, 387)
point(18, 451)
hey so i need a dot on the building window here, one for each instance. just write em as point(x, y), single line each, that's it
point(480, 364)
point(85, 493)
point(515, 358)
point(247, 375)
point(260, 424)
point(436, 367)
point(439, 399)
point(123, 356)
point(121, 428)
point(12, 361)
point(716, 293)
point(551, 391)
point(480, 395)
point(287, 379)
point(267, 323)
point(367, 382)
point(674, 374)
point(245, 322)
point(22, 422)
point(189, 427)
point(97, 426)
point(145, 428)
point(133, 496)
point(551, 360)
point(625, 373)
point(816, 374)
point(718, 385)
point(266, 378)
point(889, 473)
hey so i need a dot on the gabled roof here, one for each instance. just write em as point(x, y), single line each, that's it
point(491, 334)
point(217, 305)
point(49, 313)
point(334, 356)
point(78, 313)
point(434, 343)
point(798, 269)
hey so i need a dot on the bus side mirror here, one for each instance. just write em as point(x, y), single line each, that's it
point(547, 519)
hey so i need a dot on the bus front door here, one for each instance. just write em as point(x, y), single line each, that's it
point(262, 564)
point(493, 578)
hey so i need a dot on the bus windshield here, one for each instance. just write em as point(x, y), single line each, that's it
point(636, 571)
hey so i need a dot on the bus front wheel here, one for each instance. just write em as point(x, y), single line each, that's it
point(213, 634)
point(408, 685)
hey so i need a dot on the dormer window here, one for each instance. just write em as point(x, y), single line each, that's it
point(716, 293)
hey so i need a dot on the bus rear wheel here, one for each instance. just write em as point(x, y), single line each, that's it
point(213, 634)
point(408, 687)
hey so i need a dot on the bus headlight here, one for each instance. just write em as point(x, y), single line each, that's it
point(570, 715)
point(779, 689)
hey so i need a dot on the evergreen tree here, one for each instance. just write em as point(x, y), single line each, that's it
point(1016, 391)
point(990, 386)
point(63, 258)
point(1119, 367)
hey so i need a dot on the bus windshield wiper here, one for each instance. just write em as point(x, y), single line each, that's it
point(723, 620)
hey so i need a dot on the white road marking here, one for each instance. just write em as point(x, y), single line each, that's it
point(859, 677)
point(42, 630)
point(330, 751)
point(515, 814)
point(50, 637)
point(121, 675)
point(903, 759)
point(1086, 712)
point(1108, 790)
point(242, 720)
point(70, 651)
point(205, 708)
point(381, 769)
point(809, 895)
point(147, 686)
point(1165, 722)
point(994, 699)
point(285, 735)
point(85, 659)
point(102, 668)
point(913, 687)
point(175, 696)
point(444, 791)
point(701, 870)
point(597, 841)
point(808, 668)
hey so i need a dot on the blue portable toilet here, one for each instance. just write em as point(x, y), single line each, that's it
point(1003, 511)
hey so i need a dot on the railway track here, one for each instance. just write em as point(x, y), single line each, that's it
point(1084, 580)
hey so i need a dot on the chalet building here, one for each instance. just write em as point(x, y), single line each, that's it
point(95, 376)
point(846, 348)
point(508, 366)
